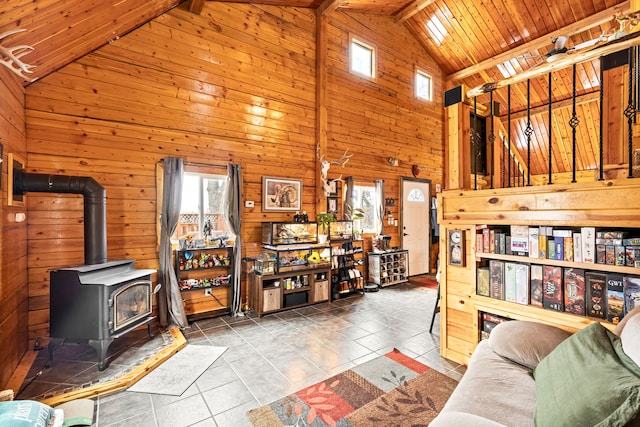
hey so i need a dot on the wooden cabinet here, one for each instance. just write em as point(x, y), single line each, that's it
point(205, 277)
point(283, 291)
point(389, 267)
point(347, 266)
point(604, 205)
point(271, 298)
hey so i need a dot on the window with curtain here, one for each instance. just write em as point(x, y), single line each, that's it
point(365, 198)
point(202, 207)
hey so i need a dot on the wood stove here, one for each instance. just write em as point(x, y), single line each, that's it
point(94, 304)
point(101, 300)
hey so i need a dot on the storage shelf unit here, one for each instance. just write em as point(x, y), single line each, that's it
point(283, 291)
point(205, 276)
point(301, 272)
point(389, 267)
point(347, 267)
point(603, 205)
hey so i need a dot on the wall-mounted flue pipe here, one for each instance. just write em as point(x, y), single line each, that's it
point(95, 206)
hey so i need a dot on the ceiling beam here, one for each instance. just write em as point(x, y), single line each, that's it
point(582, 25)
point(196, 6)
point(329, 6)
point(413, 8)
point(626, 42)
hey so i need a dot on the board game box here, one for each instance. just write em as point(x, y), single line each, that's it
point(536, 285)
point(552, 295)
point(482, 282)
point(631, 289)
point(615, 297)
point(596, 294)
point(496, 279)
point(574, 291)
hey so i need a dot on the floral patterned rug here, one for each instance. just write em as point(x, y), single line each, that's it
point(391, 390)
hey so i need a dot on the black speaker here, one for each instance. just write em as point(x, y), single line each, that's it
point(614, 60)
point(453, 96)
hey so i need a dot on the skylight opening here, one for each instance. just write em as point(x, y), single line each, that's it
point(437, 30)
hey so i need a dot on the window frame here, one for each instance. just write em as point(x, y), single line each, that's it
point(374, 54)
point(203, 174)
point(357, 187)
point(421, 73)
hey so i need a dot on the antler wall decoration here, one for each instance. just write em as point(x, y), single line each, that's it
point(11, 56)
point(324, 169)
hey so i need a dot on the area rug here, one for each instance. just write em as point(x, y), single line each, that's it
point(177, 374)
point(424, 280)
point(391, 390)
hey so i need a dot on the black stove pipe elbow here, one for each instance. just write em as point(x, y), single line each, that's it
point(95, 206)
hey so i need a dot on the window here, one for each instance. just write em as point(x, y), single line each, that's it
point(415, 195)
point(424, 87)
point(362, 58)
point(364, 197)
point(202, 207)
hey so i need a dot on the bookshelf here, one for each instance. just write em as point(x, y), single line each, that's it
point(604, 205)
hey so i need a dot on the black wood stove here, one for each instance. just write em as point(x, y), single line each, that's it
point(101, 300)
point(95, 304)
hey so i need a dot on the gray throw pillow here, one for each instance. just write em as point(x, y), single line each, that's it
point(525, 343)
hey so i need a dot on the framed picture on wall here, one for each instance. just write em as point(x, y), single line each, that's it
point(333, 189)
point(281, 194)
point(332, 204)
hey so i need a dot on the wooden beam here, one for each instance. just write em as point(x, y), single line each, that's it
point(581, 99)
point(196, 6)
point(321, 100)
point(411, 9)
point(621, 44)
point(580, 26)
point(329, 6)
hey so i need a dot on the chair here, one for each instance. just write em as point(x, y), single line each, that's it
point(436, 308)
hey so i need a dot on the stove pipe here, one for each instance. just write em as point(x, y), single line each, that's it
point(95, 206)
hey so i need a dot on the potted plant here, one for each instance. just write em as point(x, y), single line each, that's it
point(324, 218)
point(354, 214)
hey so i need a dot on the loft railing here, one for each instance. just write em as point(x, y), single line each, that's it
point(496, 162)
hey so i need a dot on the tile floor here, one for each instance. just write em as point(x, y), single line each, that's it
point(272, 356)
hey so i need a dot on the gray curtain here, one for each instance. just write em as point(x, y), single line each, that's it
point(234, 219)
point(380, 198)
point(348, 193)
point(170, 305)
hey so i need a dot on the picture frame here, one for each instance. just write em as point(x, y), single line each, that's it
point(456, 252)
point(332, 204)
point(281, 194)
point(333, 188)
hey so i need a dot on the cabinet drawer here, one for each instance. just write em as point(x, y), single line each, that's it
point(321, 291)
point(271, 299)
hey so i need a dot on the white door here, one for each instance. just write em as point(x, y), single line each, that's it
point(416, 223)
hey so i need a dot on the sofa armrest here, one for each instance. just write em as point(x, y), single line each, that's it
point(629, 332)
point(525, 343)
point(457, 419)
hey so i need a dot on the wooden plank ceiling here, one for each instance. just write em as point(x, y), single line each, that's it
point(474, 42)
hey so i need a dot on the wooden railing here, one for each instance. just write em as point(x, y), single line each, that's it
point(600, 142)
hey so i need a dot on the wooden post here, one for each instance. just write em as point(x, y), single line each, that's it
point(458, 143)
point(321, 102)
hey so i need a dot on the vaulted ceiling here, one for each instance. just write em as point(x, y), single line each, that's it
point(474, 42)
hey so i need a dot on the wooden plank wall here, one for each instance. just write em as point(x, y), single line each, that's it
point(13, 235)
point(233, 84)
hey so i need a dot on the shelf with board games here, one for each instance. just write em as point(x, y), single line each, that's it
point(593, 271)
point(559, 207)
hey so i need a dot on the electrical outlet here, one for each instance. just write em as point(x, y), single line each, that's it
point(207, 292)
